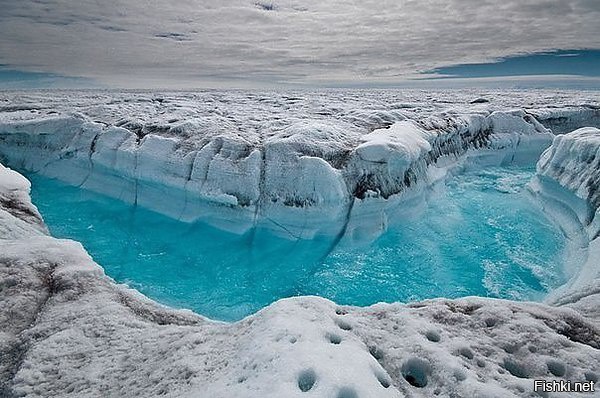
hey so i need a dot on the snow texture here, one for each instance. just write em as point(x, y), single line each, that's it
point(300, 163)
point(70, 331)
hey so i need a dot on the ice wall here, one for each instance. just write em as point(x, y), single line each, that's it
point(18, 216)
point(305, 178)
point(562, 120)
point(568, 184)
point(573, 161)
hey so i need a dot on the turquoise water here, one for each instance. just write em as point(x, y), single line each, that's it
point(479, 235)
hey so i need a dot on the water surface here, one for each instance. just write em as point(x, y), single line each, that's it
point(479, 235)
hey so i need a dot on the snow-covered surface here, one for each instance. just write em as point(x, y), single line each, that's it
point(70, 331)
point(18, 217)
point(302, 163)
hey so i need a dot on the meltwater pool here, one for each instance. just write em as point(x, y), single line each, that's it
point(479, 235)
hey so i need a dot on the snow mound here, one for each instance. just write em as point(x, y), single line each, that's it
point(399, 145)
point(18, 216)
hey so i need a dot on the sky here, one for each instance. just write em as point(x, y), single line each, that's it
point(292, 43)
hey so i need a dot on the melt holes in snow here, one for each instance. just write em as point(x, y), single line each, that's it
point(557, 368)
point(415, 371)
point(334, 338)
point(383, 379)
point(347, 392)
point(433, 336)
point(342, 324)
point(306, 380)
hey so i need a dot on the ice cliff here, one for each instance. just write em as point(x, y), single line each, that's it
point(568, 185)
point(303, 165)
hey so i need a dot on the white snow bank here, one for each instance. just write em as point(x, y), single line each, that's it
point(399, 146)
point(18, 216)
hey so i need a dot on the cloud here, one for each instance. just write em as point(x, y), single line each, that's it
point(198, 43)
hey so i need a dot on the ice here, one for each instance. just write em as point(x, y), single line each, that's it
point(302, 164)
point(569, 185)
point(18, 216)
point(70, 331)
point(573, 161)
point(564, 120)
point(399, 146)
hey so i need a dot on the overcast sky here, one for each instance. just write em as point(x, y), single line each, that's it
point(151, 43)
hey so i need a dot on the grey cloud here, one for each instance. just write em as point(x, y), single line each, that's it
point(159, 42)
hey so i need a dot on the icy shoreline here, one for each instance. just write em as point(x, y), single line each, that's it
point(316, 170)
point(71, 331)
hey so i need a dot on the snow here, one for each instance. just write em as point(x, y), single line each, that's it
point(399, 145)
point(70, 331)
point(18, 216)
point(238, 160)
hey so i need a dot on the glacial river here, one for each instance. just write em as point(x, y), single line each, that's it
point(480, 234)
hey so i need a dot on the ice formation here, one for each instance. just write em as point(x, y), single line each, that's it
point(300, 164)
point(568, 185)
point(68, 330)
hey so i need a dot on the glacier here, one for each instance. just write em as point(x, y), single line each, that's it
point(341, 163)
point(305, 164)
